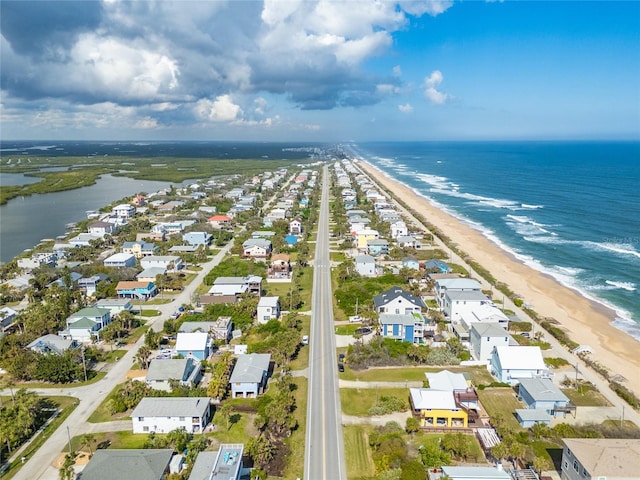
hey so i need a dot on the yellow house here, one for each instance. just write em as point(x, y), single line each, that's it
point(437, 408)
point(363, 236)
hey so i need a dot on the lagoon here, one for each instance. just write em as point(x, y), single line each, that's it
point(25, 221)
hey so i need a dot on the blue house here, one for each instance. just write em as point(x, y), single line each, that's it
point(249, 376)
point(411, 263)
point(437, 266)
point(406, 327)
point(377, 247)
point(193, 345)
point(197, 238)
point(542, 394)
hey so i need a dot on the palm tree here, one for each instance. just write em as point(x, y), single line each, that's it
point(143, 355)
point(88, 439)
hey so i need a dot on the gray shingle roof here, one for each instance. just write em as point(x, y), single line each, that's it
point(171, 407)
point(147, 464)
point(250, 368)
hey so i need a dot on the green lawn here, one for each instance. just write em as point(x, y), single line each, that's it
point(158, 301)
point(102, 413)
point(356, 443)
point(114, 356)
point(149, 313)
point(67, 405)
point(295, 464)
point(479, 375)
point(586, 397)
point(346, 329)
point(96, 377)
point(136, 333)
point(358, 401)
point(123, 439)
point(503, 402)
point(337, 256)
point(424, 438)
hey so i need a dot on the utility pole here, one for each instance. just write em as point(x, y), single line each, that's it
point(84, 365)
point(69, 438)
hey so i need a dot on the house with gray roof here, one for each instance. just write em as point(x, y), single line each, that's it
point(161, 372)
point(483, 337)
point(542, 394)
point(249, 376)
point(53, 344)
point(225, 464)
point(164, 414)
point(130, 464)
point(397, 301)
point(596, 458)
point(365, 265)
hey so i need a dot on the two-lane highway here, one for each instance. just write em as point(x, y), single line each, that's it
point(324, 449)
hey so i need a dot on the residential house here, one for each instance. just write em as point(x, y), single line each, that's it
point(150, 274)
point(408, 327)
point(120, 260)
point(410, 263)
point(437, 266)
point(130, 464)
point(197, 238)
point(38, 260)
point(162, 372)
point(437, 408)
point(170, 206)
point(87, 322)
point(249, 376)
point(225, 464)
point(84, 239)
point(513, 363)
point(124, 210)
point(280, 267)
point(396, 300)
point(365, 265)
point(268, 234)
point(89, 285)
point(464, 472)
point(220, 329)
point(358, 224)
point(234, 193)
point(138, 290)
point(52, 344)
point(170, 263)
point(600, 458)
point(102, 228)
point(268, 309)
point(220, 222)
point(194, 344)
point(527, 418)
point(233, 287)
point(114, 305)
point(140, 249)
point(542, 394)
point(164, 414)
point(457, 304)
point(458, 284)
point(256, 248)
point(460, 385)
point(364, 236)
point(7, 316)
point(408, 241)
point(295, 226)
point(139, 201)
point(378, 247)
point(180, 249)
point(398, 229)
point(483, 337)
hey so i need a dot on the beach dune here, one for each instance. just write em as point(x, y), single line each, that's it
point(586, 322)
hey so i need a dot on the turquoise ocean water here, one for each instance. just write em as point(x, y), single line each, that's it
point(568, 209)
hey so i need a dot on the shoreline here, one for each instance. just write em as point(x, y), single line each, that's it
point(585, 320)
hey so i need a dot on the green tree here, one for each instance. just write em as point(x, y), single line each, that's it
point(88, 440)
point(260, 450)
point(225, 411)
point(412, 425)
point(67, 472)
point(412, 470)
point(143, 356)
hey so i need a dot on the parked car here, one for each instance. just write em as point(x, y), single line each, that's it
point(355, 319)
point(363, 330)
point(341, 367)
point(305, 340)
point(341, 358)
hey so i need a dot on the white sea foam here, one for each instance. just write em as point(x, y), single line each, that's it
point(628, 326)
point(629, 286)
point(531, 207)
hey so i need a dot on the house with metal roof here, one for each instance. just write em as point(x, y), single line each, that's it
point(483, 337)
point(249, 376)
point(53, 344)
point(510, 364)
point(225, 464)
point(195, 344)
point(161, 372)
point(130, 464)
point(542, 394)
point(164, 414)
point(595, 458)
point(398, 301)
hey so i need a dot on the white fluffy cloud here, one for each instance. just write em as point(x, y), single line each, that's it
point(431, 91)
point(222, 109)
point(405, 108)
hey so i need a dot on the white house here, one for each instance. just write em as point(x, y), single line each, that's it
point(86, 323)
point(7, 316)
point(124, 210)
point(268, 309)
point(396, 300)
point(484, 313)
point(170, 263)
point(455, 284)
point(365, 265)
point(256, 248)
point(102, 228)
point(510, 364)
point(120, 260)
point(483, 337)
point(295, 226)
point(194, 345)
point(399, 229)
point(458, 303)
point(164, 414)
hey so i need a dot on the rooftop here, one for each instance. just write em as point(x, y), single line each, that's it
point(138, 464)
point(171, 407)
point(607, 457)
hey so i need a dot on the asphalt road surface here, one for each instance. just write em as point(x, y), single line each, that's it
point(324, 449)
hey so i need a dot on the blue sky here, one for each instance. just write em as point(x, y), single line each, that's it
point(319, 70)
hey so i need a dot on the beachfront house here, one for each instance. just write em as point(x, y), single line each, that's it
point(458, 303)
point(486, 312)
point(268, 309)
point(162, 372)
point(600, 458)
point(396, 300)
point(249, 376)
point(407, 327)
point(437, 266)
point(483, 337)
point(164, 414)
point(542, 394)
point(410, 263)
point(398, 229)
point(512, 363)
point(408, 241)
point(457, 284)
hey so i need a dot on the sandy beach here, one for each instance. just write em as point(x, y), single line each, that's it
point(585, 321)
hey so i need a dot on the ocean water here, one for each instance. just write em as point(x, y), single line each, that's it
point(568, 209)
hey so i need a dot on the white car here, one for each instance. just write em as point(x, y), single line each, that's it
point(355, 319)
point(305, 340)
